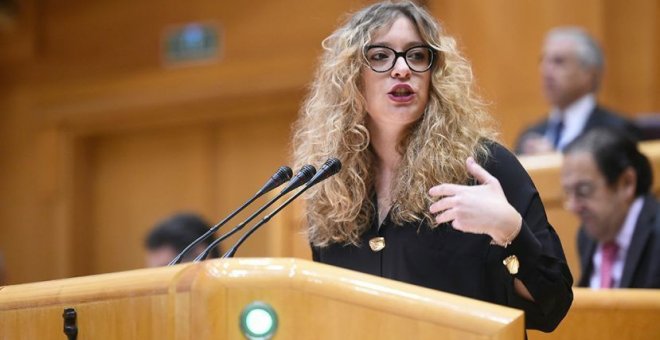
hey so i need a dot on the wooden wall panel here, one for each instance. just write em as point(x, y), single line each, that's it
point(631, 35)
point(249, 150)
point(83, 40)
point(137, 178)
point(30, 187)
point(84, 100)
point(140, 178)
point(504, 40)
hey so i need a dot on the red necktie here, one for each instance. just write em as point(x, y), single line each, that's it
point(607, 262)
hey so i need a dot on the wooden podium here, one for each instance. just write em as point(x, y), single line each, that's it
point(204, 301)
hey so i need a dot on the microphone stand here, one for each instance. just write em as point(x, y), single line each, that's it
point(329, 168)
point(282, 175)
point(305, 173)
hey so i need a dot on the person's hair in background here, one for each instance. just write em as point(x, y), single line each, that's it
point(170, 236)
point(613, 152)
point(454, 116)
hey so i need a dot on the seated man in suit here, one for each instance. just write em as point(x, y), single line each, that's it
point(169, 237)
point(607, 182)
point(571, 69)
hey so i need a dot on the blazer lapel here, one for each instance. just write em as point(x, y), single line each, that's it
point(595, 118)
point(587, 265)
point(640, 237)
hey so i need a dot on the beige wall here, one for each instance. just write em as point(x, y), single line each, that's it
point(98, 140)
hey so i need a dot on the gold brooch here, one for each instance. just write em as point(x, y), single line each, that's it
point(512, 264)
point(377, 243)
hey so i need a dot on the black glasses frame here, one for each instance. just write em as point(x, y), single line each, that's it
point(400, 54)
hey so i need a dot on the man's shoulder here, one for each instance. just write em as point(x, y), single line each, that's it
point(652, 207)
point(603, 117)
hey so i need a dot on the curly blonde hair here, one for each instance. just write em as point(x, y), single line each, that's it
point(331, 123)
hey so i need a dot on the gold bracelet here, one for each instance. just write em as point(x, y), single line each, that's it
point(509, 239)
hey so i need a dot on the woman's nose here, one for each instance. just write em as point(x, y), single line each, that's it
point(400, 69)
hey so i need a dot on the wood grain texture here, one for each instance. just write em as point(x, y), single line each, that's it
point(203, 301)
point(609, 314)
point(84, 92)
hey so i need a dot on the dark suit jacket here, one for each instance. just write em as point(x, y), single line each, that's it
point(599, 117)
point(642, 266)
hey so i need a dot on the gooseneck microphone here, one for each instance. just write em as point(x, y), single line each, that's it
point(282, 175)
point(329, 168)
point(303, 176)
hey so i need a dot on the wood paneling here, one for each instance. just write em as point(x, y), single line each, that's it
point(205, 300)
point(504, 40)
point(98, 139)
point(609, 314)
point(140, 178)
point(631, 35)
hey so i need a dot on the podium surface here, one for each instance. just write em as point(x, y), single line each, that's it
point(205, 301)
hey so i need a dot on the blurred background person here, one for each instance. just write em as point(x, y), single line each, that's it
point(607, 180)
point(169, 237)
point(571, 70)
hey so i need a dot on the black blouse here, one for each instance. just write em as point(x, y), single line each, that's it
point(467, 264)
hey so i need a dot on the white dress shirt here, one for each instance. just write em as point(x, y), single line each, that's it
point(575, 117)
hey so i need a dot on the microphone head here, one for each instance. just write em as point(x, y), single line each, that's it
point(333, 165)
point(306, 173)
point(303, 175)
point(283, 174)
point(329, 168)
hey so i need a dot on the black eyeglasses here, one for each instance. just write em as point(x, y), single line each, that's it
point(382, 58)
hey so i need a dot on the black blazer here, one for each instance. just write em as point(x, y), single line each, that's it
point(642, 266)
point(599, 117)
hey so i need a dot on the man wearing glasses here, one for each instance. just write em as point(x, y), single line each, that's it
point(607, 184)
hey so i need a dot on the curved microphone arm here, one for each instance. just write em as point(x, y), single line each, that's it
point(328, 169)
point(282, 175)
point(232, 250)
point(304, 175)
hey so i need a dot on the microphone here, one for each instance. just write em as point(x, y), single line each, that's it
point(282, 175)
point(303, 176)
point(329, 168)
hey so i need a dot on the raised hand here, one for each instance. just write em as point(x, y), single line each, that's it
point(478, 209)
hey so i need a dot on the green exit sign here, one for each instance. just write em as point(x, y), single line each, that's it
point(191, 43)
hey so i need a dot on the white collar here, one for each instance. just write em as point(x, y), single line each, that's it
point(575, 117)
point(623, 239)
point(625, 235)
